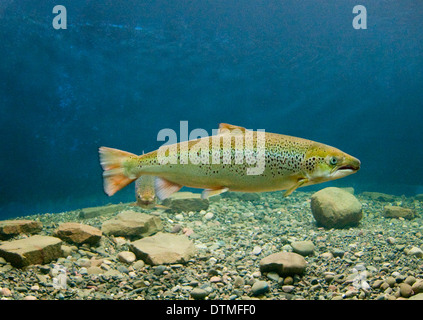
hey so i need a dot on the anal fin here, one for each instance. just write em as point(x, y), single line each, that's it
point(212, 192)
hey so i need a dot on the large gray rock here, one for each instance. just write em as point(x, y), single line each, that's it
point(164, 248)
point(283, 263)
point(335, 208)
point(185, 202)
point(78, 233)
point(132, 224)
point(398, 212)
point(10, 228)
point(33, 250)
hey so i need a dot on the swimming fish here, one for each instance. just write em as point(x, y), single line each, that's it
point(286, 163)
point(144, 192)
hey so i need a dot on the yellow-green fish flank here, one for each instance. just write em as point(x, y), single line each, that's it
point(235, 159)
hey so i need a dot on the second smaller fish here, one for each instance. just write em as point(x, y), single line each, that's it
point(146, 194)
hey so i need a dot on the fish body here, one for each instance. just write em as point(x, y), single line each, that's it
point(227, 161)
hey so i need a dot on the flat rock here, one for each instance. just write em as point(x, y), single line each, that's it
point(78, 233)
point(418, 296)
point(164, 248)
point(132, 224)
point(33, 250)
point(92, 212)
point(335, 208)
point(283, 263)
point(10, 228)
point(185, 202)
point(379, 196)
point(398, 212)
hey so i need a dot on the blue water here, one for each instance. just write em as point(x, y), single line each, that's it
point(124, 70)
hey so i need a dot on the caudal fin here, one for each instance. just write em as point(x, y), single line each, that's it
point(111, 161)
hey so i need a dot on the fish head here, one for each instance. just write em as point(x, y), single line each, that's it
point(325, 163)
point(145, 197)
point(144, 191)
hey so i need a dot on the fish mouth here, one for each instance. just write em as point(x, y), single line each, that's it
point(352, 165)
point(348, 167)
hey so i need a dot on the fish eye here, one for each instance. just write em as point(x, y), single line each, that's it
point(333, 161)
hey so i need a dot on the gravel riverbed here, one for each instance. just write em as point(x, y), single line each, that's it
point(380, 259)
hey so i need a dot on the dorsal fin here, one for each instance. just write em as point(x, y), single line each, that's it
point(225, 126)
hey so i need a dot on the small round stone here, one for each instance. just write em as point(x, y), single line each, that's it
point(304, 248)
point(259, 288)
point(390, 281)
point(198, 293)
point(405, 290)
point(126, 257)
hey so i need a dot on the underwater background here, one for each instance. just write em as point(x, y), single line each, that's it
point(122, 71)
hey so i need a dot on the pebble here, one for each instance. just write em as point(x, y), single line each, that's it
point(273, 276)
point(288, 288)
point(410, 280)
point(415, 251)
point(239, 282)
point(418, 286)
point(390, 281)
point(391, 240)
point(405, 290)
point(6, 292)
point(256, 251)
point(126, 257)
point(158, 271)
point(198, 293)
point(208, 216)
point(176, 228)
point(138, 264)
point(179, 217)
point(338, 252)
point(327, 255)
point(305, 248)
point(259, 288)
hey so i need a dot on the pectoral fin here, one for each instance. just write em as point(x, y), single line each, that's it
point(295, 186)
point(165, 188)
point(212, 192)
